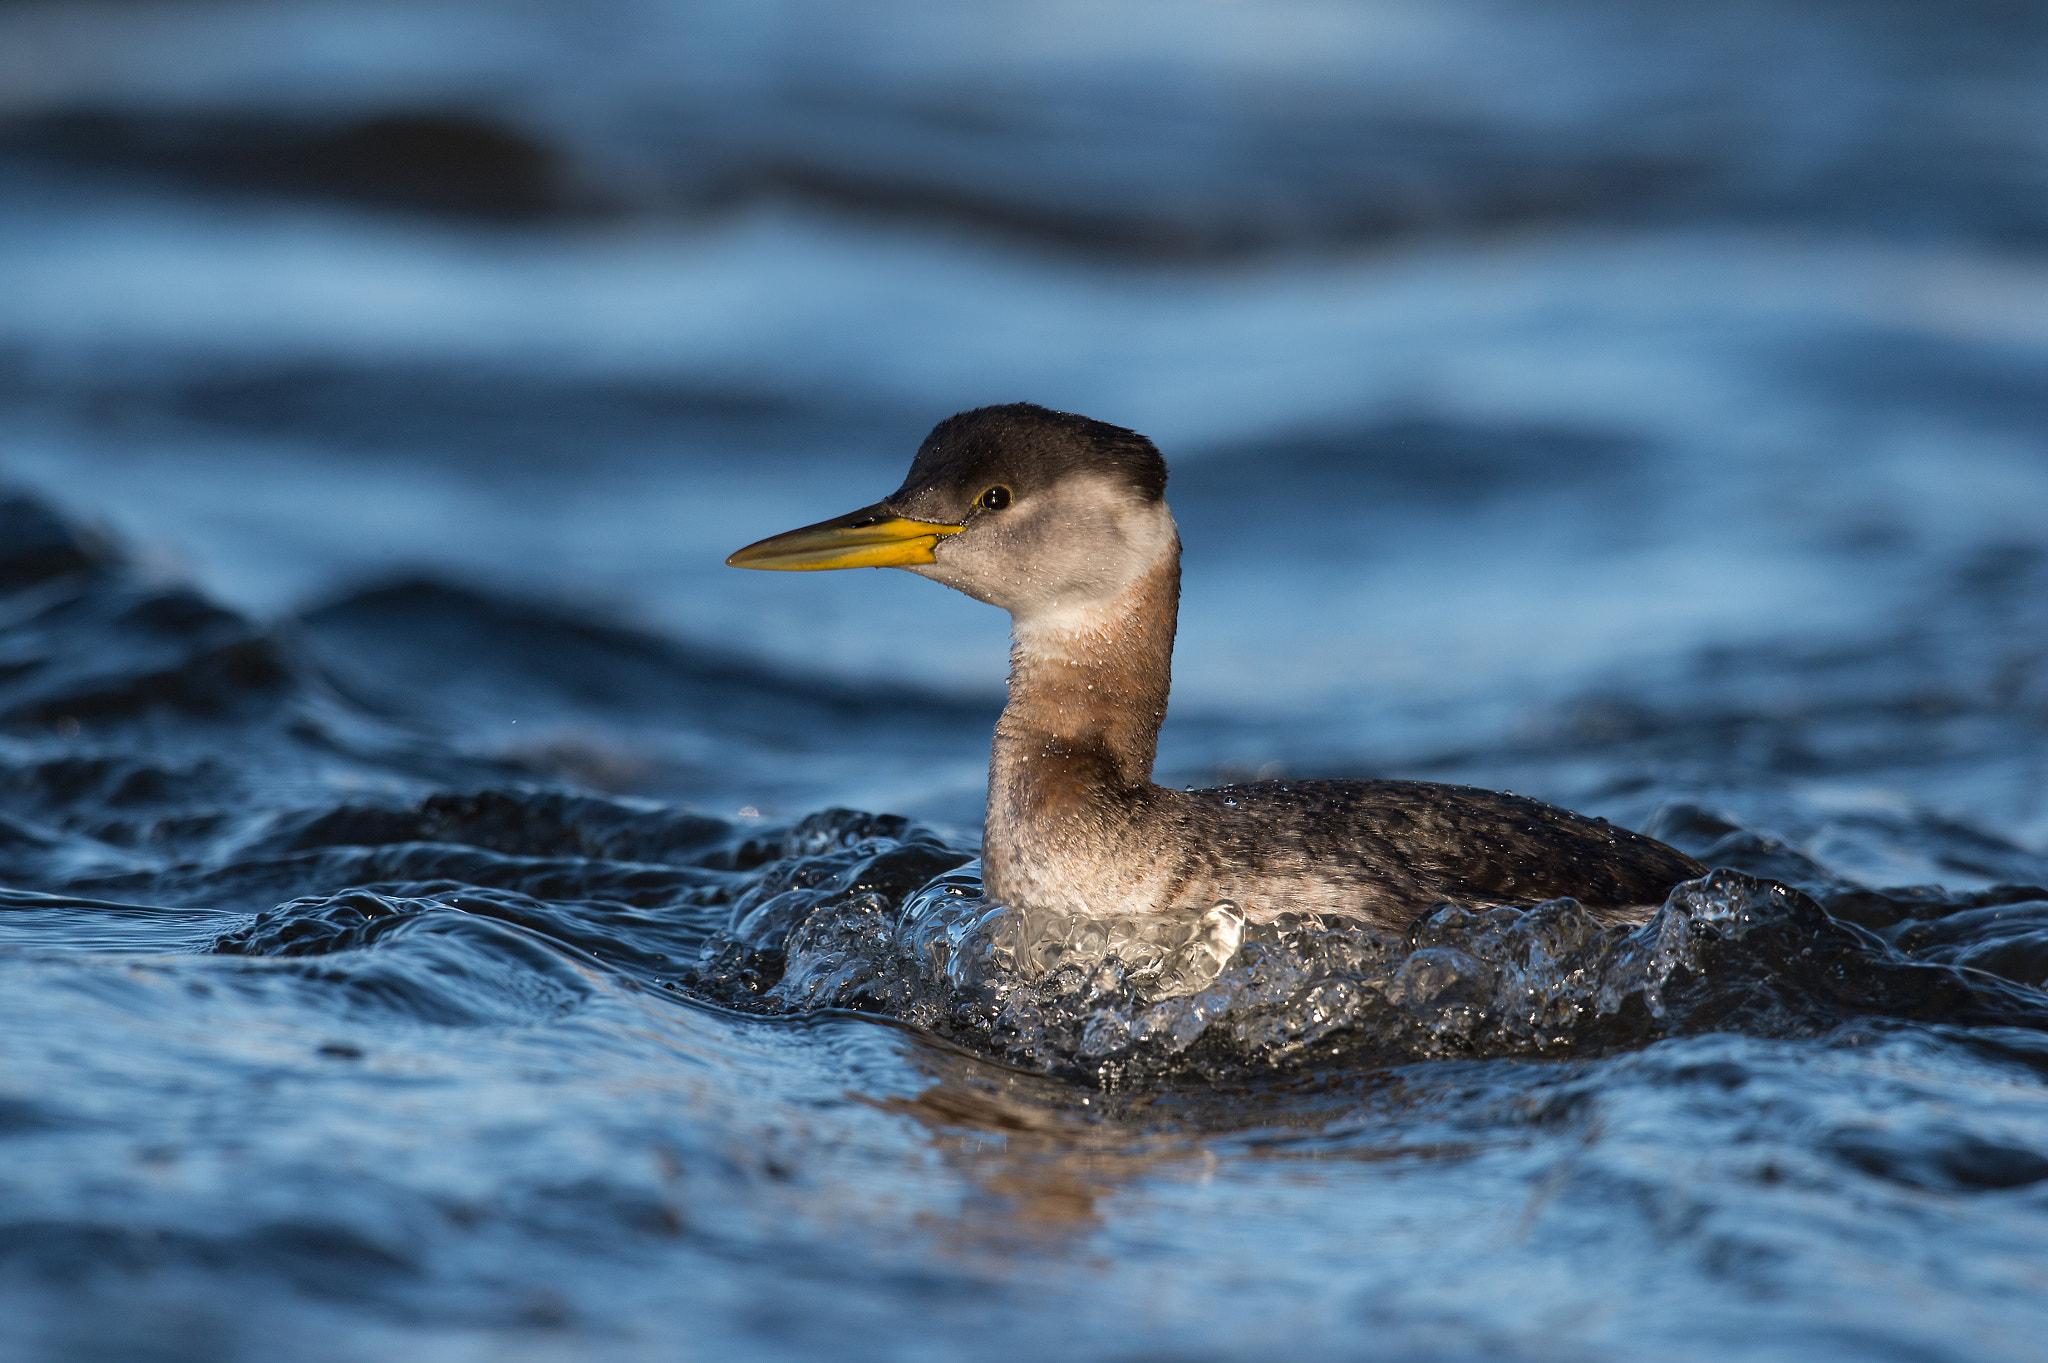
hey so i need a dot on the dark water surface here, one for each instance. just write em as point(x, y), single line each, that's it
point(444, 914)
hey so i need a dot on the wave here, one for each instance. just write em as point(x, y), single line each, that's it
point(1156, 131)
point(491, 901)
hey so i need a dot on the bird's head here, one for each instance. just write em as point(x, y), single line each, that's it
point(1040, 512)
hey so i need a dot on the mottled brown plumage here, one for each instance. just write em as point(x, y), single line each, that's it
point(1062, 521)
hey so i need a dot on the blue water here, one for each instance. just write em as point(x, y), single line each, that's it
point(423, 929)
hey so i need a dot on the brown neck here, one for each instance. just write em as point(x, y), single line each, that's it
point(1087, 697)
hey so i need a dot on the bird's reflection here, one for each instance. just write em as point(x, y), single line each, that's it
point(1044, 1159)
point(1040, 1157)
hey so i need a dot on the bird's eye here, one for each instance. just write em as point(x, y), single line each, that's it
point(995, 499)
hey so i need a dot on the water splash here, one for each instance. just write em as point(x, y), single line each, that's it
point(1122, 999)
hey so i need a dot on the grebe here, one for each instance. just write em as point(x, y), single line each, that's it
point(1062, 521)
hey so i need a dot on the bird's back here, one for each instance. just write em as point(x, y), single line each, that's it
point(1389, 850)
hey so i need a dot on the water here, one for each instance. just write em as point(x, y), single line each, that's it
point(447, 915)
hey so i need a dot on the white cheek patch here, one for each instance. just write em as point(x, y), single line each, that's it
point(1088, 598)
point(1061, 571)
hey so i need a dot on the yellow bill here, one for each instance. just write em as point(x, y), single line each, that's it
point(873, 537)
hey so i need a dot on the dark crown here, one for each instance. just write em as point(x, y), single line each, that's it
point(1024, 447)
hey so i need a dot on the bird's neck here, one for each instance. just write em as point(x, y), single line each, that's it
point(1087, 696)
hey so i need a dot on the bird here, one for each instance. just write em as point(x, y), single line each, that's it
point(1062, 521)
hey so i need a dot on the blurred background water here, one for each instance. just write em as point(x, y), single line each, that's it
point(1642, 406)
